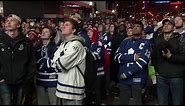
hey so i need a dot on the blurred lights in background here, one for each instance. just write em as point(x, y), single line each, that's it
point(176, 3)
point(144, 5)
point(161, 2)
point(91, 3)
point(113, 11)
point(150, 13)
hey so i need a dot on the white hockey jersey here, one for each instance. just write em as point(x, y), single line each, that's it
point(70, 81)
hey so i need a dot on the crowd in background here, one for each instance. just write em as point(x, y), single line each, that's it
point(104, 37)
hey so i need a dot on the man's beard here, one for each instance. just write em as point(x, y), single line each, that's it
point(179, 27)
point(168, 32)
point(138, 34)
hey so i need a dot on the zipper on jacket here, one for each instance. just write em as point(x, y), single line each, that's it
point(12, 56)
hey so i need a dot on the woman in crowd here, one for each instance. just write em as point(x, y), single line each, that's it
point(46, 78)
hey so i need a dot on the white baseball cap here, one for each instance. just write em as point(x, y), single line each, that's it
point(159, 25)
point(16, 17)
point(76, 15)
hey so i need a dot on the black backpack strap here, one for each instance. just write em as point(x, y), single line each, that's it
point(80, 71)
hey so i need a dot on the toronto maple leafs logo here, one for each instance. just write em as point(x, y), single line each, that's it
point(21, 47)
point(131, 51)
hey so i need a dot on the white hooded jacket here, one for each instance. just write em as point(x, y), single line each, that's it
point(70, 81)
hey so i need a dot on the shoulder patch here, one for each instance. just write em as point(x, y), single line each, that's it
point(75, 47)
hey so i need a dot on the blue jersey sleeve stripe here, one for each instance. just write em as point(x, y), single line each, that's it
point(70, 93)
point(61, 65)
point(95, 58)
point(139, 65)
point(70, 86)
point(116, 57)
point(48, 63)
point(143, 60)
point(119, 58)
point(97, 55)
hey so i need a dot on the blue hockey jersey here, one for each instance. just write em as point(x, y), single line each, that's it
point(134, 71)
point(97, 51)
point(106, 41)
point(45, 76)
point(84, 35)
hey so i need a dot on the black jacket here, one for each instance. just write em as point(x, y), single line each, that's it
point(17, 62)
point(114, 66)
point(174, 66)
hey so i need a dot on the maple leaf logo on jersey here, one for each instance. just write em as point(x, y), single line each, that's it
point(131, 51)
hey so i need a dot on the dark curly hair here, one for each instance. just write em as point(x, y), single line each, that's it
point(74, 23)
point(53, 32)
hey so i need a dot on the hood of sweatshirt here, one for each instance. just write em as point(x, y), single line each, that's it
point(79, 38)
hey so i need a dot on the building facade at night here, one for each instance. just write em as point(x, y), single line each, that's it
point(51, 9)
point(54, 9)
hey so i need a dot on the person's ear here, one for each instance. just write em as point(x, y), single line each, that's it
point(74, 30)
point(18, 26)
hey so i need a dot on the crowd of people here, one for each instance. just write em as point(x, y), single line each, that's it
point(47, 61)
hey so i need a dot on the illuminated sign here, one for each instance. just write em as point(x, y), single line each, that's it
point(161, 2)
point(176, 3)
point(72, 6)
